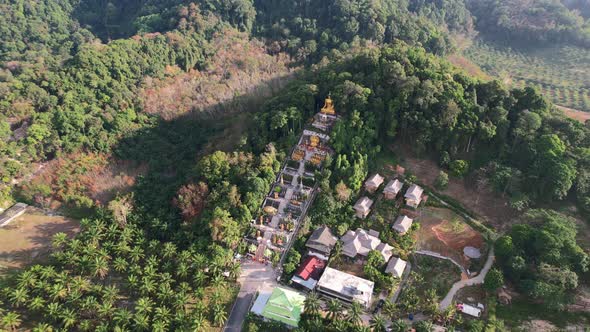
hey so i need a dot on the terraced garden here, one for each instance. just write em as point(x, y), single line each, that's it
point(560, 72)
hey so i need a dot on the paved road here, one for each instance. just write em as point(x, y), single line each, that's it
point(469, 282)
point(254, 277)
point(239, 312)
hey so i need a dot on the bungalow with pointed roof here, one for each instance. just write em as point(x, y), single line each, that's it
point(361, 242)
point(385, 250)
point(396, 267)
point(403, 224)
point(363, 207)
point(283, 305)
point(392, 189)
point(373, 183)
point(414, 196)
point(322, 241)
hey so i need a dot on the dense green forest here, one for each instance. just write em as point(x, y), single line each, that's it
point(71, 73)
point(545, 21)
point(402, 93)
point(511, 139)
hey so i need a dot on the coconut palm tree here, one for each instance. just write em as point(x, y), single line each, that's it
point(120, 264)
point(59, 240)
point(378, 323)
point(43, 327)
point(27, 279)
point(37, 303)
point(54, 309)
point(168, 250)
point(110, 293)
point(182, 270)
point(399, 325)
point(354, 314)
point(122, 317)
point(334, 309)
point(199, 278)
point(141, 321)
point(312, 303)
point(159, 326)
point(19, 297)
point(11, 320)
point(339, 325)
point(198, 323)
point(68, 318)
point(430, 301)
point(234, 270)
point(390, 309)
point(424, 326)
point(219, 315)
point(100, 267)
point(148, 286)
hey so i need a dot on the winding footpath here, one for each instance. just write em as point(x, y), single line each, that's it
point(469, 282)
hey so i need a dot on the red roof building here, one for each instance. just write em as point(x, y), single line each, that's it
point(311, 267)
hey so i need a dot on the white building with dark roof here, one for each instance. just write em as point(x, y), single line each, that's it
point(403, 224)
point(346, 287)
point(363, 207)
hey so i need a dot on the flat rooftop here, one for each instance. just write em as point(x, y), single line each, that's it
point(347, 284)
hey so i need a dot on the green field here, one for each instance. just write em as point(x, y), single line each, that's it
point(560, 72)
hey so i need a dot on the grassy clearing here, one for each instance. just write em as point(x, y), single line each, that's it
point(439, 274)
point(560, 72)
point(29, 238)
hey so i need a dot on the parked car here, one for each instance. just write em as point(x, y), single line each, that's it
point(379, 306)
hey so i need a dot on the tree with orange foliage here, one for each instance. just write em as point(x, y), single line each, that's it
point(191, 200)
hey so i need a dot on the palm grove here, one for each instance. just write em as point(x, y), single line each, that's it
point(155, 259)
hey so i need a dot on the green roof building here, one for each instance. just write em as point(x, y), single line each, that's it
point(284, 306)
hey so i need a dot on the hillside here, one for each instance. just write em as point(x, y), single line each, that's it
point(171, 132)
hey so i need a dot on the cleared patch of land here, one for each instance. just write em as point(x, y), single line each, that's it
point(468, 65)
point(575, 114)
point(29, 237)
point(444, 232)
point(489, 206)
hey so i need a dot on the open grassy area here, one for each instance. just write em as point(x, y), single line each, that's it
point(522, 310)
point(29, 237)
point(439, 274)
point(560, 72)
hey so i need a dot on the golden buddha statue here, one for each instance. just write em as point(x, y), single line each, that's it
point(328, 107)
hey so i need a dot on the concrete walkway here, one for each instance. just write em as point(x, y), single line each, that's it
point(469, 282)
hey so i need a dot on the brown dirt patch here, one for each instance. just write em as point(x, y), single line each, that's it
point(575, 114)
point(467, 65)
point(446, 233)
point(29, 237)
point(457, 241)
point(97, 176)
point(241, 66)
point(489, 206)
point(116, 178)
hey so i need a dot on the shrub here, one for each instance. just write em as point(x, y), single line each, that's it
point(442, 181)
point(459, 167)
